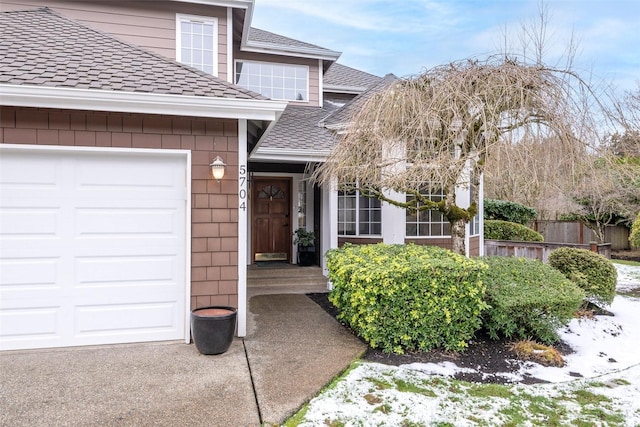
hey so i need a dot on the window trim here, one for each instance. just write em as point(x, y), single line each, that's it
point(307, 67)
point(357, 222)
point(442, 236)
point(206, 19)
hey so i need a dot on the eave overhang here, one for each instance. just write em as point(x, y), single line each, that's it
point(138, 102)
point(289, 156)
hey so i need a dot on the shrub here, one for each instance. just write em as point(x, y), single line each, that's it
point(504, 230)
point(595, 274)
point(634, 238)
point(505, 210)
point(411, 297)
point(527, 299)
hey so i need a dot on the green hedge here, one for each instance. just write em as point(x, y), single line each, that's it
point(527, 299)
point(505, 210)
point(504, 230)
point(634, 238)
point(595, 274)
point(407, 297)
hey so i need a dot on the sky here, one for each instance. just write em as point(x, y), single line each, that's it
point(406, 37)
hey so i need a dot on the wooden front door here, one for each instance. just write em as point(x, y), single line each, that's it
point(271, 219)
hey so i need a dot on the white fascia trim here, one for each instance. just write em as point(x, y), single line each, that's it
point(344, 89)
point(242, 4)
point(138, 102)
point(320, 83)
point(283, 155)
point(299, 52)
point(230, 76)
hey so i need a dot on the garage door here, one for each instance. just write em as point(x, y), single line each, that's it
point(92, 247)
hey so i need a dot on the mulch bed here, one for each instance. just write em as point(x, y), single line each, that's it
point(488, 357)
point(629, 255)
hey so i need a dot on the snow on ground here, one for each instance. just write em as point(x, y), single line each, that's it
point(606, 363)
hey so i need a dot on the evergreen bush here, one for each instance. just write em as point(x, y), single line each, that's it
point(505, 210)
point(527, 299)
point(634, 238)
point(407, 297)
point(592, 272)
point(504, 230)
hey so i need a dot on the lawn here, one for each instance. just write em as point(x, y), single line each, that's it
point(598, 386)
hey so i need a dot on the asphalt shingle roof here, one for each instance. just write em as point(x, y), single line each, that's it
point(344, 114)
point(40, 47)
point(262, 36)
point(298, 129)
point(304, 128)
point(341, 75)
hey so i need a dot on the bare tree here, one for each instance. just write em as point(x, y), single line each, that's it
point(537, 172)
point(436, 130)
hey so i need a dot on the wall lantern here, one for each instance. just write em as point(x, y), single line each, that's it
point(217, 168)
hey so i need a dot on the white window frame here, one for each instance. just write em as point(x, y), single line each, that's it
point(429, 223)
point(474, 224)
point(284, 64)
point(358, 196)
point(205, 19)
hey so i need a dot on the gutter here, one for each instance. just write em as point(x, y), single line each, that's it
point(140, 102)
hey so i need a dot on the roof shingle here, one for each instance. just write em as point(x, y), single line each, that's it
point(40, 47)
point(262, 36)
point(344, 114)
point(341, 75)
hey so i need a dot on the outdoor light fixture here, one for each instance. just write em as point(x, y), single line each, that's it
point(217, 168)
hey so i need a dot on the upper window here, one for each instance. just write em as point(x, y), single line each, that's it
point(358, 215)
point(196, 42)
point(276, 81)
point(427, 223)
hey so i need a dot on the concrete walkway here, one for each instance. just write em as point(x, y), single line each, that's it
point(293, 349)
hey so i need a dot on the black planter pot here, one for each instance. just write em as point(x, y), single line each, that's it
point(306, 255)
point(213, 328)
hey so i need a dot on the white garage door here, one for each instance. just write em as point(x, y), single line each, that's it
point(92, 246)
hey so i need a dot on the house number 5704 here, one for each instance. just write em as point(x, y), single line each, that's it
point(242, 194)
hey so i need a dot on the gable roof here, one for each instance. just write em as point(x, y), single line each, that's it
point(40, 47)
point(297, 135)
point(307, 134)
point(257, 35)
point(48, 60)
point(341, 117)
point(342, 79)
point(257, 40)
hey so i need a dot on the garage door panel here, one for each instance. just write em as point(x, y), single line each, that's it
point(127, 222)
point(131, 318)
point(40, 173)
point(37, 273)
point(30, 328)
point(25, 222)
point(138, 174)
point(129, 269)
point(92, 251)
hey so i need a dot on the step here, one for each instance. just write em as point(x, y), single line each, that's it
point(294, 271)
point(288, 281)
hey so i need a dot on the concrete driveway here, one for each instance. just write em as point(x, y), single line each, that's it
point(292, 350)
point(168, 384)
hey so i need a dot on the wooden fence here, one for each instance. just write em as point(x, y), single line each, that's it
point(576, 232)
point(537, 250)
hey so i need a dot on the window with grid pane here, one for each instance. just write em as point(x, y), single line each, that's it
point(197, 42)
point(358, 215)
point(427, 223)
point(276, 81)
